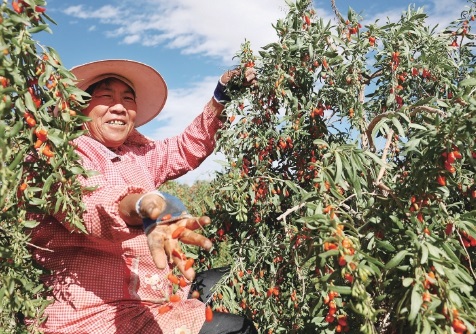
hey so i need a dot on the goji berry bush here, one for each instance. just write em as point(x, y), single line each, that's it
point(348, 197)
point(39, 115)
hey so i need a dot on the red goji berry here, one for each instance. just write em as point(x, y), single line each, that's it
point(182, 282)
point(178, 254)
point(174, 298)
point(189, 264)
point(173, 279)
point(164, 308)
point(177, 232)
point(208, 313)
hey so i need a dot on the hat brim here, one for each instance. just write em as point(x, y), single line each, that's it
point(149, 86)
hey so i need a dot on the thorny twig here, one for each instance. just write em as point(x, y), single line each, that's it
point(384, 157)
point(38, 247)
point(427, 109)
point(372, 76)
point(372, 125)
point(467, 254)
point(289, 211)
point(336, 11)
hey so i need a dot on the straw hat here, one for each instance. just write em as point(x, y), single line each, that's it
point(149, 86)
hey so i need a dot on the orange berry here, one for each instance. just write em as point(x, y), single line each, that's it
point(189, 264)
point(173, 279)
point(208, 313)
point(182, 283)
point(174, 298)
point(23, 186)
point(167, 216)
point(178, 254)
point(342, 320)
point(177, 232)
point(426, 296)
point(342, 261)
point(164, 308)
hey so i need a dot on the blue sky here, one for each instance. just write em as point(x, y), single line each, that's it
point(191, 42)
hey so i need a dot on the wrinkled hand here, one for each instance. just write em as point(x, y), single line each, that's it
point(249, 77)
point(164, 239)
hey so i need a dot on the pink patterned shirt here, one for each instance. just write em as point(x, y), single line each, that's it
point(105, 282)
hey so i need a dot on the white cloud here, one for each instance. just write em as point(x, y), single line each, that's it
point(182, 106)
point(215, 28)
point(207, 27)
point(442, 12)
point(105, 13)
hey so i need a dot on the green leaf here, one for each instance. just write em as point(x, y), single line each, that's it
point(374, 157)
point(416, 301)
point(30, 223)
point(396, 259)
point(385, 244)
point(378, 126)
point(30, 105)
point(18, 158)
point(449, 252)
point(338, 174)
point(399, 127)
point(408, 281)
point(39, 28)
point(311, 51)
point(56, 137)
point(468, 82)
point(328, 253)
point(424, 253)
point(423, 101)
point(37, 201)
point(417, 126)
point(47, 185)
point(412, 144)
point(426, 327)
point(343, 290)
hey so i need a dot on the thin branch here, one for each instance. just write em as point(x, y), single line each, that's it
point(370, 77)
point(40, 248)
point(303, 279)
point(467, 254)
point(384, 157)
point(336, 11)
point(372, 125)
point(289, 211)
point(365, 139)
point(427, 109)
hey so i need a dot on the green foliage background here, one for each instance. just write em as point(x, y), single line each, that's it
point(349, 196)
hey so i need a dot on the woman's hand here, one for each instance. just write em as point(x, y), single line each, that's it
point(220, 96)
point(249, 77)
point(163, 239)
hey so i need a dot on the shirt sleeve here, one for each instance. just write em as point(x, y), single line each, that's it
point(111, 182)
point(175, 156)
point(101, 216)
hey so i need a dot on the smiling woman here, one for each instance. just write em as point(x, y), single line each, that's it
point(112, 111)
point(117, 278)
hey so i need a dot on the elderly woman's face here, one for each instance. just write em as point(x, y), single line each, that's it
point(112, 111)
